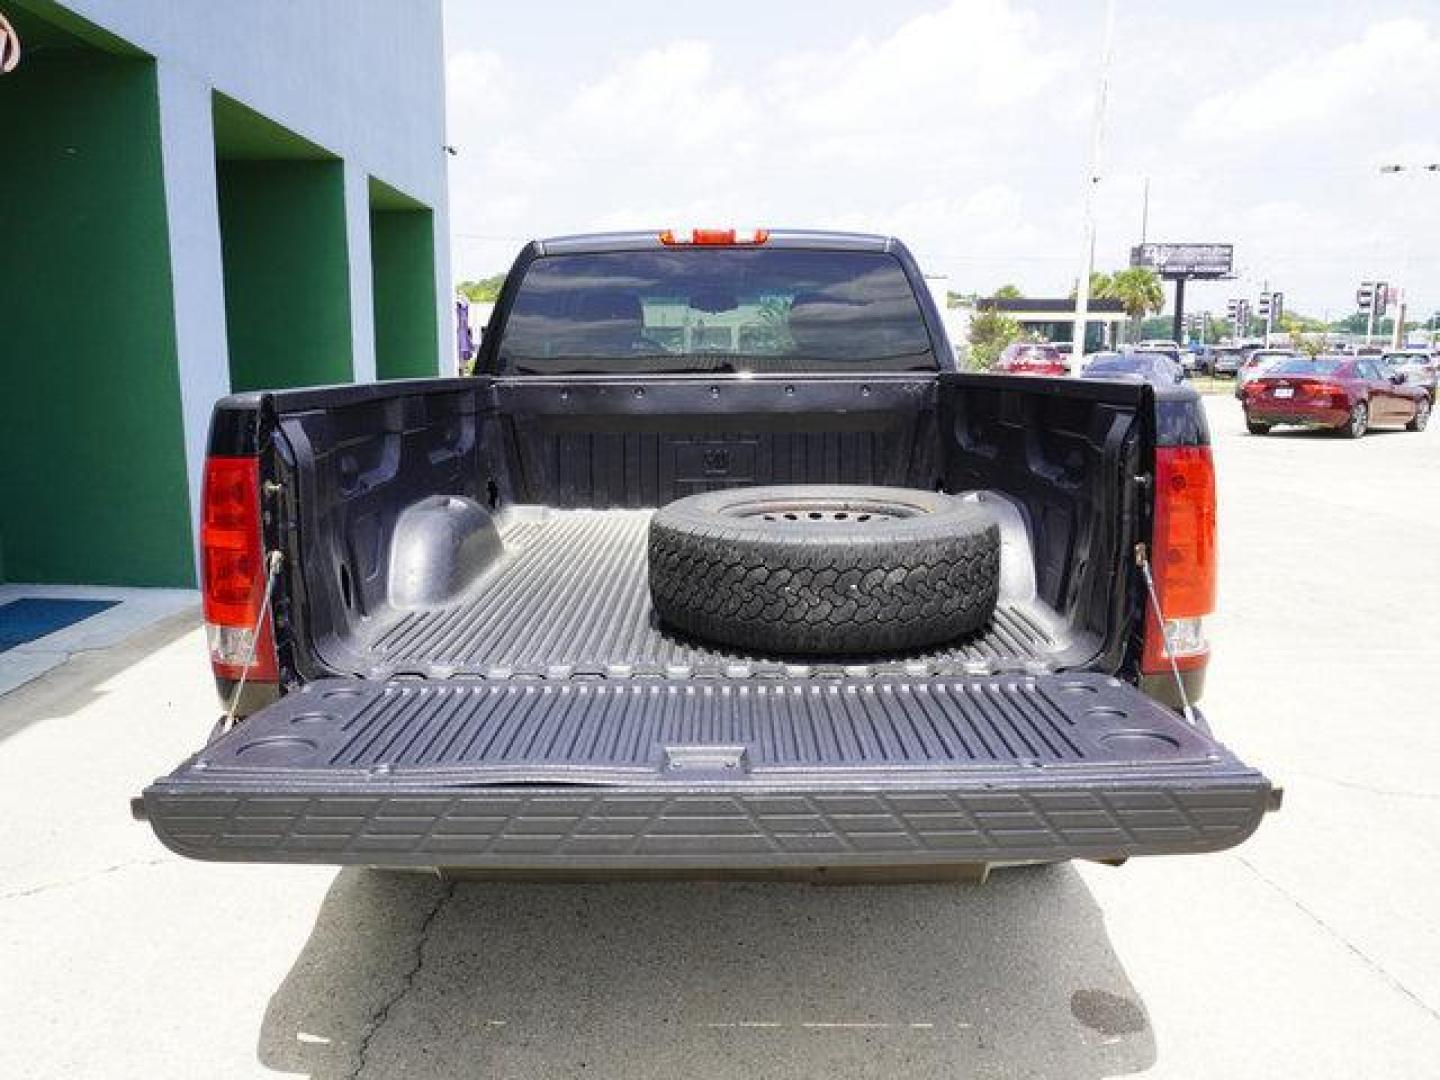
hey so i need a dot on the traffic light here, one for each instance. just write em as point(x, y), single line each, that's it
point(1367, 295)
point(1271, 306)
point(1238, 311)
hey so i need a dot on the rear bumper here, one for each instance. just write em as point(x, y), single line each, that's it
point(1288, 414)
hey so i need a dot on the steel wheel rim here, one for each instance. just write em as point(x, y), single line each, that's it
point(827, 512)
point(819, 511)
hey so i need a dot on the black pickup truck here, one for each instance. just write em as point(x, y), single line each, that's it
point(434, 639)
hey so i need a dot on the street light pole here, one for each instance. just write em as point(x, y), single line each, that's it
point(1092, 179)
point(1397, 331)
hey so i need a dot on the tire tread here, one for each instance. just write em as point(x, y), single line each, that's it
point(798, 591)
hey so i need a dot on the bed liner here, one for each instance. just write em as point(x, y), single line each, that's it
point(570, 599)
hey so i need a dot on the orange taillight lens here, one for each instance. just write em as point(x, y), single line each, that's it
point(233, 569)
point(1182, 556)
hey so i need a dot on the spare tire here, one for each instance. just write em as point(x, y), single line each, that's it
point(832, 569)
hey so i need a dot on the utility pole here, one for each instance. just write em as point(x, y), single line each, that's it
point(1397, 334)
point(1177, 327)
point(1145, 211)
point(1092, 179)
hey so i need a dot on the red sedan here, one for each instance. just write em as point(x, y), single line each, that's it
point(1025, 358)
point(1350, 394)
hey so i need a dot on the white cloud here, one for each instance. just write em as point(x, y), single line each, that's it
point(893, 130)
point(667, 99)
point(1391, 70)
point(958, 60)
point(964, 130)
point(475, 82)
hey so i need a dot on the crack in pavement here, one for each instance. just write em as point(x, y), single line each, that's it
point(407, 983)
point(1369, 961)
point(83, 878)
point(1370, 789)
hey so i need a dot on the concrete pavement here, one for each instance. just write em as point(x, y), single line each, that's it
point(1313, 951)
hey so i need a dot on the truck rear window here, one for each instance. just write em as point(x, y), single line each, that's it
point(715, 310)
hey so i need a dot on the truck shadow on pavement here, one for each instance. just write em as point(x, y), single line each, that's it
point(80, 680)
point(405, 975)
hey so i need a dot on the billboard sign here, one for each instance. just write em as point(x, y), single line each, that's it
point(1185, 260)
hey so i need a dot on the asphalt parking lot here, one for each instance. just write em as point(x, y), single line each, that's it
point(1312, 951)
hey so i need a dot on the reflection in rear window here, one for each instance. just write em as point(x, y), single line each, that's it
point(1035, 354)
point(715, 309)
point(1306, 367)
point(1118, 366)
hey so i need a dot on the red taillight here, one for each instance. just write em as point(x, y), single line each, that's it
point(1182, 557)
point(714, 237)
point(233, 570)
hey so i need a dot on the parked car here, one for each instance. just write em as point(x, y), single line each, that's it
point(441, 642)
point(1419, 366)
point(1159, 343)
point(1153, 367)
point(1027, 358)
point(1170, 351)
point(1257, 362)
point(1226, 360)
point(1349, 394)
point(1200, 358)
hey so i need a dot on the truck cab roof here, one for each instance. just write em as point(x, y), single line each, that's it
point(815, 239)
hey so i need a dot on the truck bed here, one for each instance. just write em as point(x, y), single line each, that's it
point(466, 670)
point(569, 598)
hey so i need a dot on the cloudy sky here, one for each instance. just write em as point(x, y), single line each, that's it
point(963, 128)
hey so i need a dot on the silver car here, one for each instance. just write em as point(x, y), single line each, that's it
point(1226, 360)
point(1257, 363)
point(1419, 367)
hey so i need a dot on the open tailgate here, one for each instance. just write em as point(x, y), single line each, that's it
point(651, 774)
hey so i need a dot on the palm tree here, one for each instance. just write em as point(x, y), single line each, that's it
point(1100, 286)
point(1139, 289)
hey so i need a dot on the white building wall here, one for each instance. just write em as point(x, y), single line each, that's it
point(365, 79)
point(187, 144)
point(362, 284)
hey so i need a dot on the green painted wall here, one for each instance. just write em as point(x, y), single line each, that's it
point(92, 452)
point(402, 261)
point(241, 133)
point(287, 286)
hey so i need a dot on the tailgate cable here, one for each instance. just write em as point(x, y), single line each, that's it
point(272, 571)
point(1143, 562)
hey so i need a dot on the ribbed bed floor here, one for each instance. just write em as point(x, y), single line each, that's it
point(570, 599)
